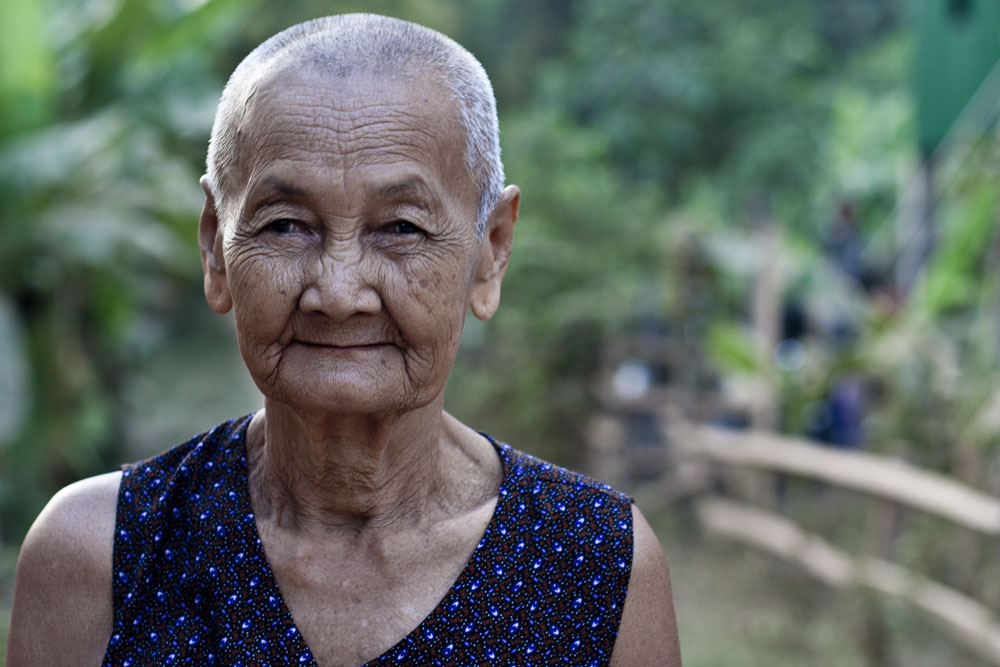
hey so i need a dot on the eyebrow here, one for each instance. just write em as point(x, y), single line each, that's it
point(278, 185)
point(413, 186)
point(266, 192)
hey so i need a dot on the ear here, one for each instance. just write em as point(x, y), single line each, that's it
point(498, 237)
point(212, 263)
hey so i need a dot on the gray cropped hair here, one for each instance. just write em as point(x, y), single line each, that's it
point(368, 44)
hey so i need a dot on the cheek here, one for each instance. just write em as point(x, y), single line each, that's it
point(265, 290)
point(438, 295)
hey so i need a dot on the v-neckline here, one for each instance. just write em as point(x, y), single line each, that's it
point(419, 634)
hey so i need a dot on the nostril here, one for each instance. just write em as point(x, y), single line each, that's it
point(340, 287)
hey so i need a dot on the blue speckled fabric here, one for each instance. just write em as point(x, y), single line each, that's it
point(192, 586)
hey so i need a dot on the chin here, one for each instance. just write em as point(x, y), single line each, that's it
point(371, 382)
point(348, 396)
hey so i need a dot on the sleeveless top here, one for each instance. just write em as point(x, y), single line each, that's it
point(192, 586)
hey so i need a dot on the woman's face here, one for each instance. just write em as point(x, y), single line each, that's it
point(350, 250)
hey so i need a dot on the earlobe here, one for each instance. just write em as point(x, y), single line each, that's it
point(495, 248)
point(212, 263)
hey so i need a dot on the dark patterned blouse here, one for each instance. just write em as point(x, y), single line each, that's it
point(192, 586)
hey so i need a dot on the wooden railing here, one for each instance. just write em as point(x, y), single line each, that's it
point(696, 450)
point(875, 475)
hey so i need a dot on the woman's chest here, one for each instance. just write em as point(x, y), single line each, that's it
point(352, 621)
point(354, 602)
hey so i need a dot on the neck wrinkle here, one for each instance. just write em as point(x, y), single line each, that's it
point(345, 472)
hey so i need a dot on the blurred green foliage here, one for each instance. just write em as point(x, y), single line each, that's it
point(650, 139)
point(611, 114)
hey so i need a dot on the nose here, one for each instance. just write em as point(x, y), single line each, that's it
point(341, 283)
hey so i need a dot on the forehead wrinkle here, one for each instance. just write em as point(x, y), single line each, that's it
point(347, 129)
point(362, 116)
point(384, 134)
point(371, 141)
point(343, 108)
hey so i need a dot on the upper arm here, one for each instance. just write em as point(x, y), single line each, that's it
point(647, 635)
point(62, 590)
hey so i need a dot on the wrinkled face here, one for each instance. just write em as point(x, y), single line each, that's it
point(351, 253)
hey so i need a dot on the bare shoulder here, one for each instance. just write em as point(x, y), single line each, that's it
point(647, 635)
point(62, 590)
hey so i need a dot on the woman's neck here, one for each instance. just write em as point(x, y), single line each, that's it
point(329, 472)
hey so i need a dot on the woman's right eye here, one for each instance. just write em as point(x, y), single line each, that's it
point(282, 226)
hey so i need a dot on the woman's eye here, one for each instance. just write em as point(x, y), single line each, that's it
point(404, 227)
point(282, 226)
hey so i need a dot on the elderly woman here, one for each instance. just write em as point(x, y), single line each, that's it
point(354, 211)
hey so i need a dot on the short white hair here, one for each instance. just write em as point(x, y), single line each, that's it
point(368, 44)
